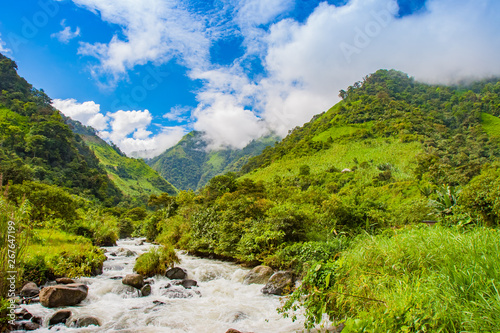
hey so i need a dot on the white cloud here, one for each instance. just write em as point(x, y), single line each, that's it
point(65, 35)
point(3, 49)
point(153, 31)
point(177, 113)
point(88, 113)
point(227, 124)
point(129, 130)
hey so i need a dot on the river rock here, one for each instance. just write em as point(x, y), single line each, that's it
point(125, 252)
point(134, 280)
point(281, 283)
point(64, 280)
point(87, 321)
point(30, 289)
point(176, 273)
point(30, 326)
point(259, 275)
point(59, 317)
point(22, 314)
point(146, 290)
point(188, 284)
point(63, 295)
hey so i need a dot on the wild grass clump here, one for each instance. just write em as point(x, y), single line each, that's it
point(416, 280)
point(156, 261)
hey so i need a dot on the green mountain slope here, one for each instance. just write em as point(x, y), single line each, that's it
point(188, 165)
point(446, 133)
point(132, 176)
point(37, 146)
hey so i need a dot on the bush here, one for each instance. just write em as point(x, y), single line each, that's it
point(156, 261)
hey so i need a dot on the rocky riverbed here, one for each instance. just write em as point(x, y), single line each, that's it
point(211, 297)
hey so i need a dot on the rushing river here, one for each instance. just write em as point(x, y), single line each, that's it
point(220, 302)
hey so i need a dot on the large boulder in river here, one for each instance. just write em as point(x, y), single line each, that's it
point(259, 275)
point(63, 295)
point(30, 289)
point(176, 273)
point(281, 283)
point(134, 280)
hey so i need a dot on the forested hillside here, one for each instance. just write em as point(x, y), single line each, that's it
point(341, 200)
point(133, 177)
point(190, 165)
point(57, 201)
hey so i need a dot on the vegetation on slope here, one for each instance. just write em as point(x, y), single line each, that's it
point(190, 165)
point(414, 152)
point(133, 177)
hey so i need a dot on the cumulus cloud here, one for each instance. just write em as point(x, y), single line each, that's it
point(153, 31)
point(3, 49)
point(88, 113)
point(65, 35)
point(129, 130)
point(226, 124)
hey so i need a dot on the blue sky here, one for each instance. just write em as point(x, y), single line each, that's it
point(145, 72)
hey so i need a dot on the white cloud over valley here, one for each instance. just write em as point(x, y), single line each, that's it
point(127, 129)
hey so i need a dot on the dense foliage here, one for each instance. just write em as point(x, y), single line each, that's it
point(392, 154)
point(190, 164)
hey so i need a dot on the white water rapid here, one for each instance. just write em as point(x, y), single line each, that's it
point(219, 303)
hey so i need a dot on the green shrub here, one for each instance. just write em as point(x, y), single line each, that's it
point(156, 261)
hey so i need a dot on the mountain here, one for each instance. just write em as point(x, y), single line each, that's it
point(189, 165)
point(393, 153)
point(37, 147)
point(445, 133)
point(133, 176)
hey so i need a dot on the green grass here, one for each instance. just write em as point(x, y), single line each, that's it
point(491, 124)
point(338, 131)
point(50, 242)
point(138, 182)
point(373, 151)
point(156, 261)
point(425, 279)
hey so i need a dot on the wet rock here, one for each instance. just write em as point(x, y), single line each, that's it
point(112, 254)
point(281, 283)
point(63, 295)
point(31, 326)
point(22, 313)
point(149, 281)
point(134, 280)
point(177, 292)
point(146, 290)
point(259, 275)
point(125, 252)
point(87, 321)
point(176, 273)
point(140, 242)
point(188, 284)
point(60, 317)
point(37, 320)
point(30, 289)
point(116, 278)
point(157, 302)
point(64, 280)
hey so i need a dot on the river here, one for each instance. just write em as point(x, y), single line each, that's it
point(220, 302)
